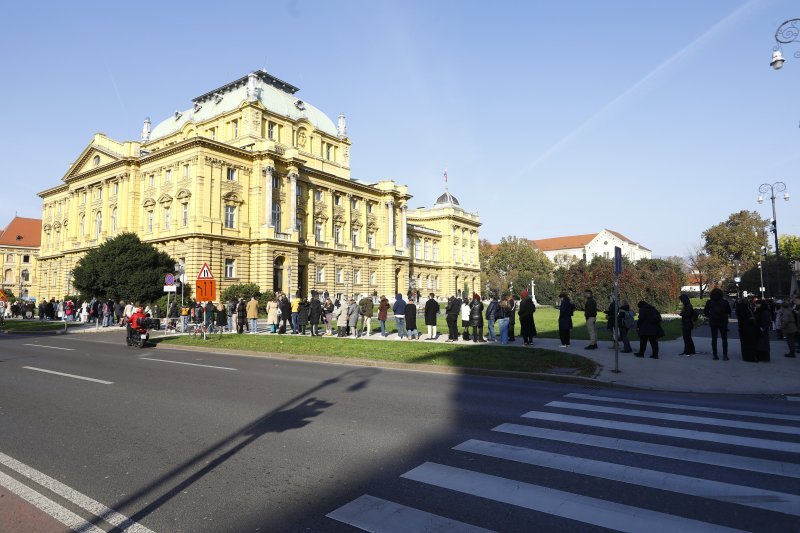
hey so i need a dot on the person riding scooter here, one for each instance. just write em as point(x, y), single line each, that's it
point(135, 325)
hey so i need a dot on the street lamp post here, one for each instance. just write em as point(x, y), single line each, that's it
point(772, 188)
point(788, 32)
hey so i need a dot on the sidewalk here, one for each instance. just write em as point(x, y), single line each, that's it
point(671, 372)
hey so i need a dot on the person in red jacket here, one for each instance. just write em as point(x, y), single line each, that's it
point(134, 322)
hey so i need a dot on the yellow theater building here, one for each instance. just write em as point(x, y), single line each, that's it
point(256, 182)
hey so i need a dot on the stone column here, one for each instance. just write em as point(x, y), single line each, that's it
point(268, 170)
point(391, 242)
point(403, 228)
point(292, 199)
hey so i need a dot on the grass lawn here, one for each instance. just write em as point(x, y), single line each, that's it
point(34, 326)
point(492, 357)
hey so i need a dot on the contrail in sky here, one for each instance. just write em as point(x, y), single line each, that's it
point(706, 36)
point(116, 90)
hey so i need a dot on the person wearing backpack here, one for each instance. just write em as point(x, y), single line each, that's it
point(625, 317)
point(688, 315)
point(718, 311)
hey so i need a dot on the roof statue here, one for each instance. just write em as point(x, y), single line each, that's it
point(146, 130)
point(341, 126)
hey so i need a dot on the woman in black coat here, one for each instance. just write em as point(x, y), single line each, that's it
point(748, 330)
point(565, 310)
point(221, 317)
point(764, 324)
point(241, 316)
point(411, 320)
point(431, 316)
point(315, 315)
point(476, 318)
point(303, 313)
point(286, 314)
point(649, 327)
point(526, 310)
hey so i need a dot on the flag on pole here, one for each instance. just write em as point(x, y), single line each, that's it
point(445, 175)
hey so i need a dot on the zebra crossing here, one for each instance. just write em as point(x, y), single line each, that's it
point(593, 461)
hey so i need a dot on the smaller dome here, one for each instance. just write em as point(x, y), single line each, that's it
point(446, 198)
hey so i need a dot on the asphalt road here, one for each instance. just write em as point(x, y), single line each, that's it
point(179, 441)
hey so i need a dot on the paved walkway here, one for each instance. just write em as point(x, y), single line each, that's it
point(671, 372)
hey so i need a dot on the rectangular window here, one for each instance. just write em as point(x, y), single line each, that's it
point(337, 234)
point(417, 249)
point(230, 268)
point(298, 191)
point(318, 196)
point(354, 204)
point(455, 252)
point(150, 221)
point(271, 131)
point(213, 133)
point(235, 128)
point(357, 277)
point(276, 182)
point(84, 197)
point(99, 197)
point(339, 275)
point(184, 214)
point(328, 152)
point(26, 259)
point(185, 171)
point(337, 199)
point(371, 240)
point(318, 231)
point(230, 216)
point(298, 222)
point(320, 275)
point(116, 188)
point(167, 218)
point(373, 279)
point(167, 176)
point(231, 174)
point(428, 251)
point(152, 180)
point(276, 215)
point(354, 237)
point(435, 251)
point(370, 207)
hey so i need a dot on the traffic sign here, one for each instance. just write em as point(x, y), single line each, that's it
point(169, 279)
point(170, 288)
point(3, 296)
point(206, 289)
point(205, 272)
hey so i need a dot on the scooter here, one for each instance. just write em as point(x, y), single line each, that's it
point(139, 336)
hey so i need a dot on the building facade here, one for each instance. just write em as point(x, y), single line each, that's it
point(19, 249)
point(574, 248)
point(256, 183)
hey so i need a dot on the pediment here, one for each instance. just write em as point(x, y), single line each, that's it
point(92, 157)
point(165, 199)
point(232, 198)
point(148, 202)
point(183, 194)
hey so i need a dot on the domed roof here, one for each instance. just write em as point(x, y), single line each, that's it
point(446, 198)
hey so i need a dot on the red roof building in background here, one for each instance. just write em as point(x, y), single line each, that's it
point(19, 248)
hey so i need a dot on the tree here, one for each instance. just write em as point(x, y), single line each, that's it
point(515, 261)
point(705, 268)
point(790, 247)
point(737, 242)
point(123, 268)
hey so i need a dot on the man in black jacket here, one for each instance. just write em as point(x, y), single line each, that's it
point(452, 311)
point(590, 312)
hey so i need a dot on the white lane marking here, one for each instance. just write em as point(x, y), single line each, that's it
point(51, 347)
point(62, 514)
point(793, 398)
point(758, 414)
point(85, 502)
point(770, 500)
point(182, 363)
point(756, 426)
point(556, 502)
point(69, 375)
point(739, 462)
point(374, 514)
point(766, 444)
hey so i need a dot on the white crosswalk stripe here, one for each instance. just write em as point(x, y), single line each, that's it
point(739, 475)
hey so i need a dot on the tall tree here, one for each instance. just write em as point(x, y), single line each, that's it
point(790, 246)
point(515, 261)
point(736, 242)
point(123, 268)
point(705, 269)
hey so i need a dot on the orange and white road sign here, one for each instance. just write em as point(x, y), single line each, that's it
point(205, 285)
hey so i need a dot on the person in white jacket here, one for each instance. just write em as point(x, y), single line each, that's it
point(465, 317)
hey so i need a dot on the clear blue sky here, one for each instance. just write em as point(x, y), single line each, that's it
point(655, 119)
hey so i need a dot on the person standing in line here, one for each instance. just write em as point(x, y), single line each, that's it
point(503, 311)
point(232, 319)
point(272, 314)
point(527, 326)
point(352, 318)
point(431, 316)
point(411, 320)
point(209, 312)
point(748, 330)
point(687, 315)
point(399, 309)
point(452, 310)
point(303, 313)
point(789, 326)
point(221, 317)
point(315, 314)
point(286, 314)
point(295, 314)
point(627, 322)
point(718, 312)
point(763, 316)
point(241, 316)
point(383, 314)
point(365, 309)
point(476, 318)
point(492, 312)
point(565, 310)
point(327, 311)
point(465, 308)
point(649, 327)
point(590, 313)
point(340, 315)
point(512, 318)
point(252, 315)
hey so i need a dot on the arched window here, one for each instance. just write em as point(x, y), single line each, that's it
point(96, 160)
point(114, 220)
point(8, 276)
point(98, 225)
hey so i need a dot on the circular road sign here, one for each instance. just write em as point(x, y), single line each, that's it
point(169, 279)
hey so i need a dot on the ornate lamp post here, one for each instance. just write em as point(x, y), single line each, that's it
point(772, 188)
point(788, 32)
